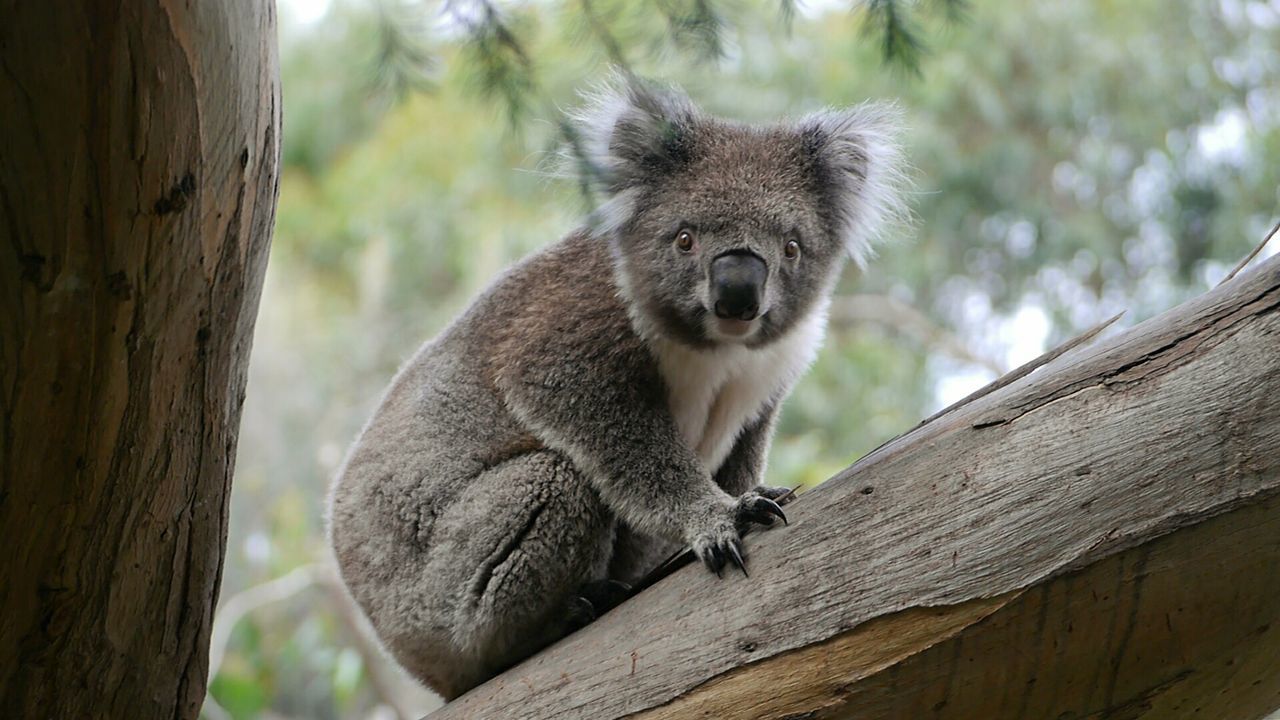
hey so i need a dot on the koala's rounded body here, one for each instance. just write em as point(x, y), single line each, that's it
point(611, 398)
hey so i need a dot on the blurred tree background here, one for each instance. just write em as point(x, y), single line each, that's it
point(1072, 160)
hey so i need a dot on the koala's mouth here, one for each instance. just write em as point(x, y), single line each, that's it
point(732, 329)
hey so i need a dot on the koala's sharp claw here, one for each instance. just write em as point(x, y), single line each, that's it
point(604, 595)
point(715, 560)
point(772, 508)
point(735, 554)
point(578, 614)
point(760, 510)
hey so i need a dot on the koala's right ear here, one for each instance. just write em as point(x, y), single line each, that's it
point(627, 134)
point(859, 167)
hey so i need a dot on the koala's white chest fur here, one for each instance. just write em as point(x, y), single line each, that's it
point(714, 394)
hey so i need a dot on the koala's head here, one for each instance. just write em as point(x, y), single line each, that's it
point(724, 232)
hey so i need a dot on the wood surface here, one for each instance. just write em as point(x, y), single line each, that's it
point(1097, 539)
point(139, 157)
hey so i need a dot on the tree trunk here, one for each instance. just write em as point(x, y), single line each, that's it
point(138, 182)
point(1099, 538)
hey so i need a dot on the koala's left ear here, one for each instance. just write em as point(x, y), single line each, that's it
point(858, 165)
point(628, 133)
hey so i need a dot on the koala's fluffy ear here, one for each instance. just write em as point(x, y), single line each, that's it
point(859, 171)
point(628, 133)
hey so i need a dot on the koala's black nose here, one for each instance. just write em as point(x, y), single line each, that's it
point(737, 283)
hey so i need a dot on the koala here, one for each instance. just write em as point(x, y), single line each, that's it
point(612, 397)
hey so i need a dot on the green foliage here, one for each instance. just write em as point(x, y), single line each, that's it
point(402, 57)
point(493, 55)
point(1072, 160)
point(242, 695)
point(899, 38)
point(495, 44)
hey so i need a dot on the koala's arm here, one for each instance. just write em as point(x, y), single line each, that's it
point(743, 469)
point(600, 401)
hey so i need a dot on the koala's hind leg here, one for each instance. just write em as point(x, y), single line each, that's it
point(515, 549)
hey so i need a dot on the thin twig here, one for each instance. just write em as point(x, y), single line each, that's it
point(379, 670)
point(236, 608)
point(1026, 369)
point(250, 599)
point(1251, 255)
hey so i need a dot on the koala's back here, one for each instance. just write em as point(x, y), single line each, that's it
point(442, 420)
point(442, 424)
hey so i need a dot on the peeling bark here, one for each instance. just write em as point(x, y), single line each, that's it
point(138, 183)
point(1098, 538)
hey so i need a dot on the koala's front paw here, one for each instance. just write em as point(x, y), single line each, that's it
point(722, 542)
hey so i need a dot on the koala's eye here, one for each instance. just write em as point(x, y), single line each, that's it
point(684, 241)
point(792, 250)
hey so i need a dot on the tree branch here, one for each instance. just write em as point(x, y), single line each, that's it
point(1252, 254)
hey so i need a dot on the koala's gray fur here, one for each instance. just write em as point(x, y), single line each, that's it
point(588, 414)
